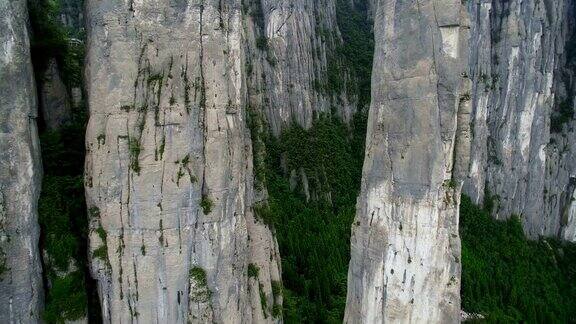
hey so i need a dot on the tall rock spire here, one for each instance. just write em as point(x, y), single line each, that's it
point(405, 249)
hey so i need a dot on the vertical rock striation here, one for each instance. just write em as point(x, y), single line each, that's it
point(521, 64)
point(169, 177)
point(292, 50)
point(405, 246)
point(21, 292)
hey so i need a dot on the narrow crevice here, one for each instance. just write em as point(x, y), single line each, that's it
point(57, 56)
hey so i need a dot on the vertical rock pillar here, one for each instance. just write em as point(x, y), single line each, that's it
point(405, 262)
point(169, 174)
point(21, 292)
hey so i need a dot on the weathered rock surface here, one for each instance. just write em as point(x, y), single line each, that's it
point(21, 293)
point(405, 246)
point(292, 45)
point(521, 64)
point(169, 174)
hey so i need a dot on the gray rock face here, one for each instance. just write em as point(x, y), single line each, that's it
point(291, 47)
point(405, 246)
point(21, 294)
point(522, 151)
point(169, 174)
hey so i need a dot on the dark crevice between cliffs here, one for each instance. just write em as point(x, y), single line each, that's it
point(313, 178)
point(57, 57)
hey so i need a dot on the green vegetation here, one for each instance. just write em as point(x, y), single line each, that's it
point(313, 226)
point(199, 275)
point(256, 125)
point(313, 234)
point(61, 207)
point(56, 211)
point(277, 288)
point(63, 220)
point(206, 204)
point(262, 43)
point(66, 299)
point(263, 302)
point(102, 251)
point(263, 213)
point(253, 271)
point(51, 40)
point(200, 293)
point(510, 279)
point(277, 294)
point(135, 149)
point(563, 115)
point(355, 54)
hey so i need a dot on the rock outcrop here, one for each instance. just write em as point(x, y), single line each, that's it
point(522, 156)
point(21, 292)
point(169, 176)
point(405, 246)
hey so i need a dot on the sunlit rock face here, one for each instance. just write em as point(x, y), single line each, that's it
point(522, 157)
point(405, 262)
point(169, 176)
point(21, 293)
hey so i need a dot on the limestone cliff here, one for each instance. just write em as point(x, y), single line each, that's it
point(522, 152)
point(21, 292)
point(405, 246)
point(169, 176)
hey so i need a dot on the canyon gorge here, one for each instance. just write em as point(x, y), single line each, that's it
point(305, 161)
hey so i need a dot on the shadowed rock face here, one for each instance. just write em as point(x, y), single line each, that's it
point(20, 170)
point(169, 176)
point(522, 151)
point(405, 246)
point(54, 100)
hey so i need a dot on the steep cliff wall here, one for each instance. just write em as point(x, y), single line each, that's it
point(522, 157)
point(294, 68)
point(169, 176)
point(21, 292)
point(405, 246)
